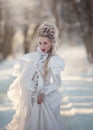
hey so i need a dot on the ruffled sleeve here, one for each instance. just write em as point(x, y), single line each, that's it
point(20, 64)
point(16, 87)
point(19, 92)
point(56, 65)
point(18, 67)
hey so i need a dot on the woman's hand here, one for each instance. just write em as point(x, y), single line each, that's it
point(40, 98)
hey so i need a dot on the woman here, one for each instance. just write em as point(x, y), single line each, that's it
point(36, 98)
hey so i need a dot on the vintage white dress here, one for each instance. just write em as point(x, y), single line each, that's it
point(24, 90)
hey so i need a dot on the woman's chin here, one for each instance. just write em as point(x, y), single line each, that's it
point(44, 51)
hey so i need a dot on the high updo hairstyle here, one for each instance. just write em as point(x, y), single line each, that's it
point(50, 31)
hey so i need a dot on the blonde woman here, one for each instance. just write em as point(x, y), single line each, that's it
point(35, 97)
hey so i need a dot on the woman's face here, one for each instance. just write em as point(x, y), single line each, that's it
point(44, 44)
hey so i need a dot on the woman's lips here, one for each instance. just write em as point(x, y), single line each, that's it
point(43, 49)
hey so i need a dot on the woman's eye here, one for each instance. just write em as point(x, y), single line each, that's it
point(40, 43)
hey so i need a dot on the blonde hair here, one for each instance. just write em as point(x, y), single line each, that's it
point(50, 31)
point(45, 68)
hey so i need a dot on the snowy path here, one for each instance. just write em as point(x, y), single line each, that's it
point(77, 106)
point(77, 103)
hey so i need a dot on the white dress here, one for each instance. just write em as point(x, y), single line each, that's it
point(24, 90)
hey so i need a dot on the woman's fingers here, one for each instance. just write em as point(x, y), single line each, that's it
point(39, 99)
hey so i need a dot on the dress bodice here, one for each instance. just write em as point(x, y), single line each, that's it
point(39, 68)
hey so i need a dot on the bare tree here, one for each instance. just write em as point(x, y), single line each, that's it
point(69, 15)
point(6, 32)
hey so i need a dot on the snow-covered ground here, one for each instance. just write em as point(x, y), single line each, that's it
point(77, 102)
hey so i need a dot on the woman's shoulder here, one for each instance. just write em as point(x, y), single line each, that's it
point(30, 56)
point(56, 61)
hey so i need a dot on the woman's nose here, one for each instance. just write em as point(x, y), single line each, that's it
point(42, 46)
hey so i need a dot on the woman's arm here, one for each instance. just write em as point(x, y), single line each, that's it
point(56, 65)
point(57, 82)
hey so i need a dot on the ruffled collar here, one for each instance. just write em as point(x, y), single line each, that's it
point(43, 56)
point(37, 56)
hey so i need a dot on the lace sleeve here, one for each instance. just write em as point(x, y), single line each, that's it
point(57, 82)
point(56, 66)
